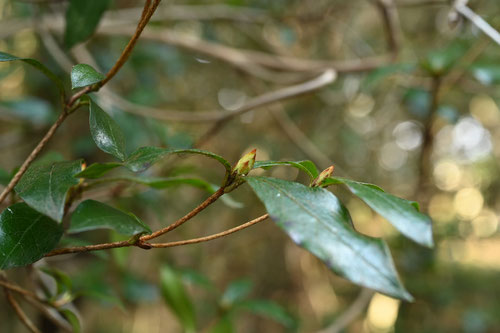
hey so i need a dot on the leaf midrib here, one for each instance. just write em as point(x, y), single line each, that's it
point(327, 226)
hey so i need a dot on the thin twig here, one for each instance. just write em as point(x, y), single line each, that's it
point(211, 199)
point(211, 237)
point(88, 248)
point(18, 289)
point(20, 313)
point(279, 95)
point(351, 313)
point(57, 320)
point(390, 18)
point(479, 22)
point(149, 9)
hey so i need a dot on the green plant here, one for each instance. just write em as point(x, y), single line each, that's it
point(314, 218)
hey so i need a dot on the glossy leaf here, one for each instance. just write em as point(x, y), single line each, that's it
point(97, 170)
point(177, 299)
point(26, 235)
point(44, 186)
point(306, 166)
point(92, 215)
point(35, 63)
point(236, 291)
point(269, 309)
point(145, 157)
point(82, 18)
point(316, 220)
point(72, 318)
point(106, 133)
point(83, 75)
point(402, 214)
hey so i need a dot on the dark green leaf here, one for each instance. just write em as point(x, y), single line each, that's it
point(44, 186)
point(97, 170)
point(72, 318)
point(83, 75)
point(235, 292)
point(224, 325)
point(270, 310)
point(35, 63)
point(25, 236)
point(91, 215)
point(145, 157)
point(106, 133)
point(177, 298)
point(307, 166)
point(82, 18)
point(316, 220)
point(399, 212)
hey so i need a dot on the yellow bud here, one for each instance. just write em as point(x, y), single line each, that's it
point(245, 164)
point(322, 176)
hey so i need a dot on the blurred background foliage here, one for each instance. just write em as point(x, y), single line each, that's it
point(425, 127)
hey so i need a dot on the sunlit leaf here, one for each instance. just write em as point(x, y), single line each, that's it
point(316, 220)
point(26, 235)
point(92, 215)
point(399, 212)
point(307, 166)
point(106, 133)
point(83, 75)
point(44, 186)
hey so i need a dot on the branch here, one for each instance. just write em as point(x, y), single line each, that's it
point(142, 244)
point(478, 21)
point(211, 237)
point(352, 312)
point(20, 313)
point(70, 105)
point(211, 199)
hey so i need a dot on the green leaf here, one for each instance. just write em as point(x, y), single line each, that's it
point(63, 281)
point(316, 220)
point(83, 75)
point(82, 18)
point(97, 170)
point(72, 319)
point(401, 213)
point(106, 133)
point(224, 325)
point(235, 292)
point(26, 236)
point(307, 166)
point(269, 309)
point(35, 63)
point(92, 215)
point(194, 277)
point(44, 186)
point(177, 298)
point(145, 157)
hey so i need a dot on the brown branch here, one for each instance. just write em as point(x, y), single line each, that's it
point(211, 237)
point(70, 105)
point(390, 18)
point(351, 313)
point(88, 248)
point(20, 313)
point(211, 199)
point(19, 290)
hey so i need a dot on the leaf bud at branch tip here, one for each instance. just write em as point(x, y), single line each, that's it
point(322, 176)
point(245, 164)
